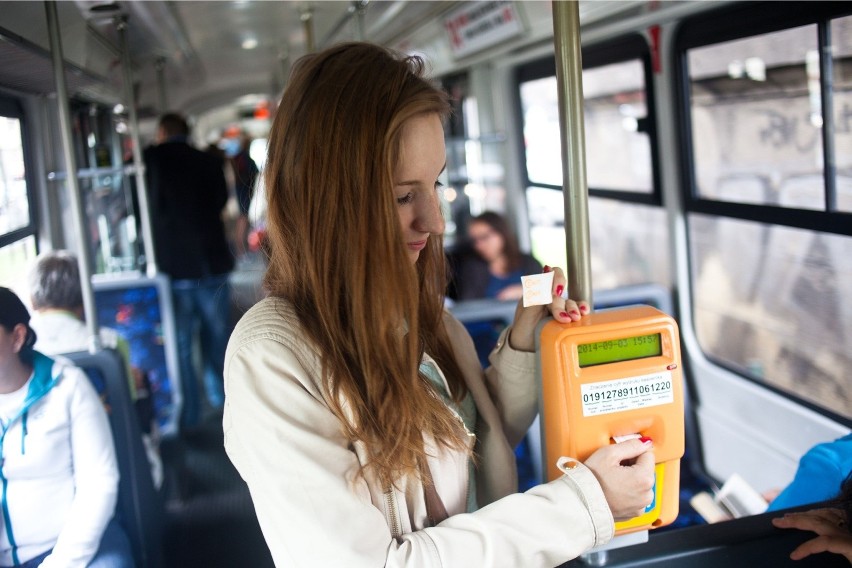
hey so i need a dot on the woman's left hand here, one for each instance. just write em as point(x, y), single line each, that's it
point(522, 336)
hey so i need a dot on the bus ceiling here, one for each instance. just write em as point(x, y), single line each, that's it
point(183, 60)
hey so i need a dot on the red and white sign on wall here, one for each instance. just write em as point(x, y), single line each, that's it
point(479, 25)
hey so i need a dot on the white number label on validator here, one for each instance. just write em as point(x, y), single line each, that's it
point(629, 393)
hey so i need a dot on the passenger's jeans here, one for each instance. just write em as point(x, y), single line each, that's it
point(113, 552)
point(205, 305)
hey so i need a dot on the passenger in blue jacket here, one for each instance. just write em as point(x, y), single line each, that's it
point(59, 473)
point(494, 264)
point(821, 471)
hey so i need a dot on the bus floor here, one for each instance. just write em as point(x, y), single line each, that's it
point(210, 520)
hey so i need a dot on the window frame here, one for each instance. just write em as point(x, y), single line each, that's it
point(11, 107)
point(628, 47)
point(739, 22)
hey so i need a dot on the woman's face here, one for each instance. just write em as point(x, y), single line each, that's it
point(422, 159)
point(486, 241)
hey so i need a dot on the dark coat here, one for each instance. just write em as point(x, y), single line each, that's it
point(187, 192)
point(245, 175)
point(470, 276)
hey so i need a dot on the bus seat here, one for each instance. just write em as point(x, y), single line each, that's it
point(139, 508)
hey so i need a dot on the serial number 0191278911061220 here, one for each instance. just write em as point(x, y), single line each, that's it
point(618, 395)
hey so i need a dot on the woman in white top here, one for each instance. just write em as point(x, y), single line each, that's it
point(59, 474)
point(355, 407)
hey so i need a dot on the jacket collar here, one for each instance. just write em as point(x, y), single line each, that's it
point(43, 380)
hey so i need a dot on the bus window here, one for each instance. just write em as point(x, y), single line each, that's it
point(474, 180)
point(770, 301)
point(108, 197)
point(627, 227)
point(770, 270)
point(17, 227)
point(14, 200)
point(629, 240)
point(756, 109)
point(542, 150)
point(618, 151)
point(841, 50)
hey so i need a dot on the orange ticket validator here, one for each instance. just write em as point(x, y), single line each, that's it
point(611, 374)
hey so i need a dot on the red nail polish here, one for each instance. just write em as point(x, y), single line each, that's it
point(575, 313)
point(546, 268)
point(564, 314)
point(559, 289)
point(584, 309)
point(645, 440)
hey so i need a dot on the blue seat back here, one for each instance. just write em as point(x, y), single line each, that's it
point(140, 506)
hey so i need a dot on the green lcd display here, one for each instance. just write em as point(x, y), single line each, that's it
point(614, 350)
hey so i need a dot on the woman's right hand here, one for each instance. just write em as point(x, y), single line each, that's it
point(626, 474)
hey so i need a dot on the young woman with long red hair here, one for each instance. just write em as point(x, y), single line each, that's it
point(356, 409)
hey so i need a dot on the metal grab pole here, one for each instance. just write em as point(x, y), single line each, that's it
point(569, 82)
point(360, 14)
point(160, 67)
point(307, 17)
point(84, 257)
point(141, 187)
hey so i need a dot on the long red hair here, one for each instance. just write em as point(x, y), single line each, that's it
point(337, 251)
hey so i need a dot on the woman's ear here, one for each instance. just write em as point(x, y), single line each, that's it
point(19, 337)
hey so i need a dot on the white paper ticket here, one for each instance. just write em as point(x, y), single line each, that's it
point(537, 289)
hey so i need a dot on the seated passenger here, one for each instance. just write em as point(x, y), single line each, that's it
point(60, 477)
point(57, 298)
point(494, 266)
point(821, 471)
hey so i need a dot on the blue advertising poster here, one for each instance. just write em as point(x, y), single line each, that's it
point(135, 310)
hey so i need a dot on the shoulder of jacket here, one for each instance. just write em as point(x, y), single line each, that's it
point(272, 319)
point(67, 376)
point(64, 366)
point(456, 330)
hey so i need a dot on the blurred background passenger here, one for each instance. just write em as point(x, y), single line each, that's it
point(245, 173)
point(56, 296)
point(187, 195)
point(60, 476)
point(493, 267)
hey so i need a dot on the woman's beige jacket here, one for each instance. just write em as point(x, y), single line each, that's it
point(315, 509)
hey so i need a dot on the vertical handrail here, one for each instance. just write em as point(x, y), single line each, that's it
point(360, 7)
point(84, 256)
point(569, 82)
point(139, 166)
point(307, 17)
point(162, 98)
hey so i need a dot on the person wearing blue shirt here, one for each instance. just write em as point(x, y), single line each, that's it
point(494, 265)
point(821, 472)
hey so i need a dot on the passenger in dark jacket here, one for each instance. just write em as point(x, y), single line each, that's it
point(188, 192)
point(187, 195)
point(245, 176)
point(492, 265)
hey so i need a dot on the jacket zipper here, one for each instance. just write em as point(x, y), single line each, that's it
point(396, 532)
point(471, 436)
